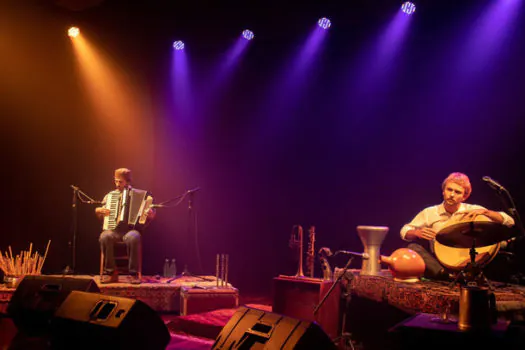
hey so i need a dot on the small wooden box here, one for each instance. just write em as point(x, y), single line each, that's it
point(298, 296)
point(197, 300)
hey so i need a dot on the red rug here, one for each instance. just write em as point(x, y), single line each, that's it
point(206, 325)
point(188, 342)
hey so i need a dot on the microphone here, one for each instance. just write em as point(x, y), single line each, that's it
point(365, 256)
point(492, 183)
point(157, 206)
point(76, 188)
point(193, 190)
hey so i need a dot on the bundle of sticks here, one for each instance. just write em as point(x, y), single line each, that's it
point(25, 263)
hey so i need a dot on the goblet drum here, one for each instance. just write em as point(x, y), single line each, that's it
point(372, 237)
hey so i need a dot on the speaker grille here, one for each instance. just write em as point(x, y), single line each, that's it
point(256, 329)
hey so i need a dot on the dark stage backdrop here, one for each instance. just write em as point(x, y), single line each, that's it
point(363, 133)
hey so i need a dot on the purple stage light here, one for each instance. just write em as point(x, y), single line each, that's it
point(324, 23)
point(248, 34)
point(408, 8)
point(178, 45)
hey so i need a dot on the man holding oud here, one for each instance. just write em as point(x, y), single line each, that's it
point(423, 228)
point(125, 212)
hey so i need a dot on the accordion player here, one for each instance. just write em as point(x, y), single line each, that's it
point(128, 209)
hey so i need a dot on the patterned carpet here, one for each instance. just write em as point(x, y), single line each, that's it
point(205, 325)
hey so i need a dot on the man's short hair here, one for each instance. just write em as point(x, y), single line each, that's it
point(460, 179)
point(124, 173)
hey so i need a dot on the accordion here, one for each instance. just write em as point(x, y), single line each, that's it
point(128, 209)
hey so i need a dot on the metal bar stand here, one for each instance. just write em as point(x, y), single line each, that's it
point(344, 336)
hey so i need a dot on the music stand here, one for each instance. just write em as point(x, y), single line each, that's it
point(344, 336)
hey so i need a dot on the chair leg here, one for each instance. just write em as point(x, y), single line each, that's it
point(102, 258)
point(139, 267)
point(139, 272)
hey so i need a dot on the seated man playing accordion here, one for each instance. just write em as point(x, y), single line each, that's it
point(125, 212)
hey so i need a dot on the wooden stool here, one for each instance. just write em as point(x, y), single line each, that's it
point(121, 246)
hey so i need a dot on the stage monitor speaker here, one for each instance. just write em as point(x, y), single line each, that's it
point(98, 321)
point(38, 297)
point(257, 329)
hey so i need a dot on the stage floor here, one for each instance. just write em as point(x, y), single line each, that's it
point(161, 294)
point(192, 332)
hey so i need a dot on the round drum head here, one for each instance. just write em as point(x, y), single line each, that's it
point(472, 233)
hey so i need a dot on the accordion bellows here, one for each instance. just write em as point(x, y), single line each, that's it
point(127, 209)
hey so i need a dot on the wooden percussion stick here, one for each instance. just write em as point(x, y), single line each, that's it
point(227, 267)
point(217, 270)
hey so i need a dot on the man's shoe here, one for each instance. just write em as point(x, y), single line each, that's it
point(113, 278)
point(134, 279)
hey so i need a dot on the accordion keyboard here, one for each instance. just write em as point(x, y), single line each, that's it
point(110, 221)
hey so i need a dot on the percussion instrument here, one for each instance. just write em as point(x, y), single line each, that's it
point(473, 234)
point(372, 237)
point(129, 208)
point(405, 264)
point(454, 240)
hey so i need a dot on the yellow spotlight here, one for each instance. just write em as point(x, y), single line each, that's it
point(73, 32)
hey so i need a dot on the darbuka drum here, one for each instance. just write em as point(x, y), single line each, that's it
point(457, 258)
point(372, 237)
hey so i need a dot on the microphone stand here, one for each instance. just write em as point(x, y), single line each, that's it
point(180, 198)
point(344, 336)
point(72, 244)
point(192, 223)
point(508, 202)
point(514, 213)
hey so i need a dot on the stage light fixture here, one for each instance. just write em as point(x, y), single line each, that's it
point(324, 23)
point(408, 8)
point(178, 45)
point(73, 32)
point(248, 34)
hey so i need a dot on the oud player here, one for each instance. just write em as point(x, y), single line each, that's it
point(422, 230)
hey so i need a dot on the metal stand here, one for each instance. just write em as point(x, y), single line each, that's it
point(72, 244)
point(472, 274)
point(344, 337)
point(192, 223)
point(515, 259)
point(192, 227)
